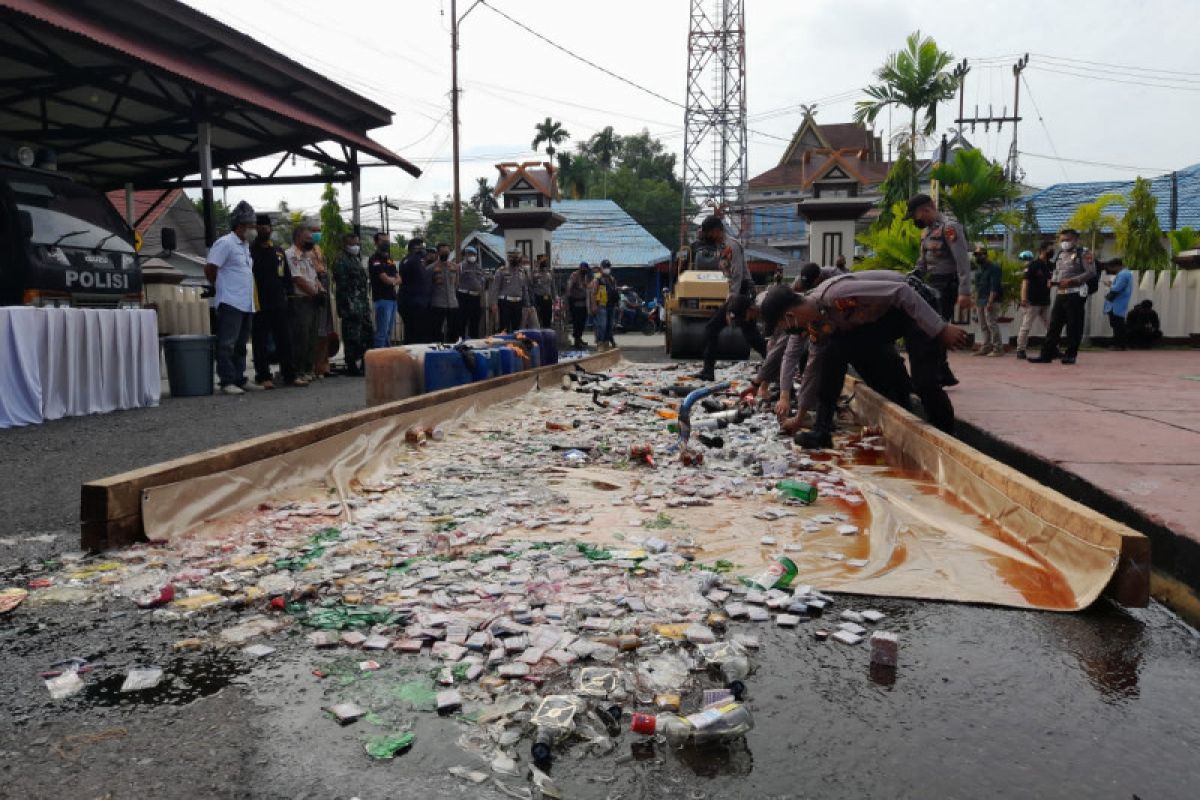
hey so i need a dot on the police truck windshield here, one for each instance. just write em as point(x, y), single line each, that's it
point(71, 214)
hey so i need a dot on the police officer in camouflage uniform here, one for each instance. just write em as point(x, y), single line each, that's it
point(510, 293)
point(944, 262)
point(352, 286)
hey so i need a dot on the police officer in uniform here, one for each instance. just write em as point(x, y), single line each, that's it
point(470, 294)
point(510, 293)
point(855, 320)
point(1074, 268)
point(543, 291)
point(944, 262)
point(715, 250)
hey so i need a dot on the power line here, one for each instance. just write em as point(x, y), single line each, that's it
point(1097, 77)
point(578, 57)
point(1158, 170)
point(1042, 120)
point(1125, 67)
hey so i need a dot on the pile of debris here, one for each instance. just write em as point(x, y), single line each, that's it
point(535, 620)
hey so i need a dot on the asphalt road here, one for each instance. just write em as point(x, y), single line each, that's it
point(987, 702)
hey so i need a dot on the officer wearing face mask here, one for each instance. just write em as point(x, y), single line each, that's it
point(944, 262)
point(273, 282)
point(352, 287)
point(510, 293)
point(470, 292)
point(1074, 268)
point(415, 291)
point(306, 302)
point(443, 299)
point(856, 319)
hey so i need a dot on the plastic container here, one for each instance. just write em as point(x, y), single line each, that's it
point(480, 363)
point(535, 335)
point(445, 369)
point(490, 357)
point(393, 373)
point(509, 362)
point(714, 724)
point(190, 361)
point(549, 346)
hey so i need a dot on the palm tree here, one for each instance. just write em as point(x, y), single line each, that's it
point(976, 192)
point(1090, 219)
point(915, 78)
point(550, 132)
point(484, 199)
point(604, 147)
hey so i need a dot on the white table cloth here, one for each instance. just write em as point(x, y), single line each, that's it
point(62, 362)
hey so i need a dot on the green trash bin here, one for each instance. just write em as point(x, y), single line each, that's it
point(190, 364)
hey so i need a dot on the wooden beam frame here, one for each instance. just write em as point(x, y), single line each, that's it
point(110, 509)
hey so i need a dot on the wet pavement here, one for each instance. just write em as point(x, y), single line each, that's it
point(986, 701)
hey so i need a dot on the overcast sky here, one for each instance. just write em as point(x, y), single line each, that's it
point(1114, 83)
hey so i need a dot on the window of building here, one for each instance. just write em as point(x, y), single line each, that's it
point(831, 247)
point(525, 247)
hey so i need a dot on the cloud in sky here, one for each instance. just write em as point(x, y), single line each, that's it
point(397, 53)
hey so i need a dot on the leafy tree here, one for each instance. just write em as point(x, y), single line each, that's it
point(484, 199)
point(896, 187)
point(654, 204)
point(976, 191)
point(439, 225)
point(1090, 219)
point(603, 147)
point(1186, 238)
point(915, 78)
point(648, 158)
point(1139, 237)
point(333, 226)
point(1029, 233)
point(895, 245)
point(550, 132)
point(575, 174)
point(220, 213)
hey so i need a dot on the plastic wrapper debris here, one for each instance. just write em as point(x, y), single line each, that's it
point(554, 722)
point(142, 678)
point(64, 685)
point(389, 746)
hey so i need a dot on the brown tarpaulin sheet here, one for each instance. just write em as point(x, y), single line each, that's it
point(937, 531)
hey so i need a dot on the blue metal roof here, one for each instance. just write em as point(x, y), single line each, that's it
point(599, 229)
point(1055, 204)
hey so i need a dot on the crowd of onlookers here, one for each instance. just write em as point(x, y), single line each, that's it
point(296, 310)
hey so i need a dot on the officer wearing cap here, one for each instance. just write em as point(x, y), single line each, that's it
point(577, 302)
point(855, 320)
point(470, 292)
point(1074, 269)
point(943, 261)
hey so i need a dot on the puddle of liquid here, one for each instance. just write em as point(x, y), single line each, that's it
point(184, 680)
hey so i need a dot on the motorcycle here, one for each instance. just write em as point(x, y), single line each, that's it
point(634, 315)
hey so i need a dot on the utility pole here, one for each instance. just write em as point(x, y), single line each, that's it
point(455, 21)
point(960, 74)
point(454, 120)
point(1017, 69)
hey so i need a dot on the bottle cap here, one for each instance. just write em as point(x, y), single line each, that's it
point(540, 752)
point(643, 724)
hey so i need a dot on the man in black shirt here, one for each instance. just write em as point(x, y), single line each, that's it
point(385, 277)
point(1035, 295)
point(415, 290)
point(273, 284)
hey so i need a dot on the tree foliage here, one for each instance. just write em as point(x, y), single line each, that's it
point(1186, 238)
point(976, 192)
point(896, 187)
point(1139, 237)
point(895, 245)
point(439, 223)
point(484, 199)
point(220, 213)
point(1029, 233)
point(915, 78)
point(1091, 219)
point(333, 226)
point(552, 133)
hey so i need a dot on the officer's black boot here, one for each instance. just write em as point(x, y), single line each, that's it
point(821, 434)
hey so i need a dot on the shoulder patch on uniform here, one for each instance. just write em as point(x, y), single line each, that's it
point(845, 303)
point(951, 232)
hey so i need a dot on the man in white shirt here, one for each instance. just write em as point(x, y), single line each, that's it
point(229, 269)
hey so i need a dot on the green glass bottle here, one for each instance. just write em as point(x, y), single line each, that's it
point(779, 574)
point(799, 490)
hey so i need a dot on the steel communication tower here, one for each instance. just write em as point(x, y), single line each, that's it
point(714, 122)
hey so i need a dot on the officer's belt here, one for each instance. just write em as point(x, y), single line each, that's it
point(512, 299)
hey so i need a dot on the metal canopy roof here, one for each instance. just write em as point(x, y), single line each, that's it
point(118, 89)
